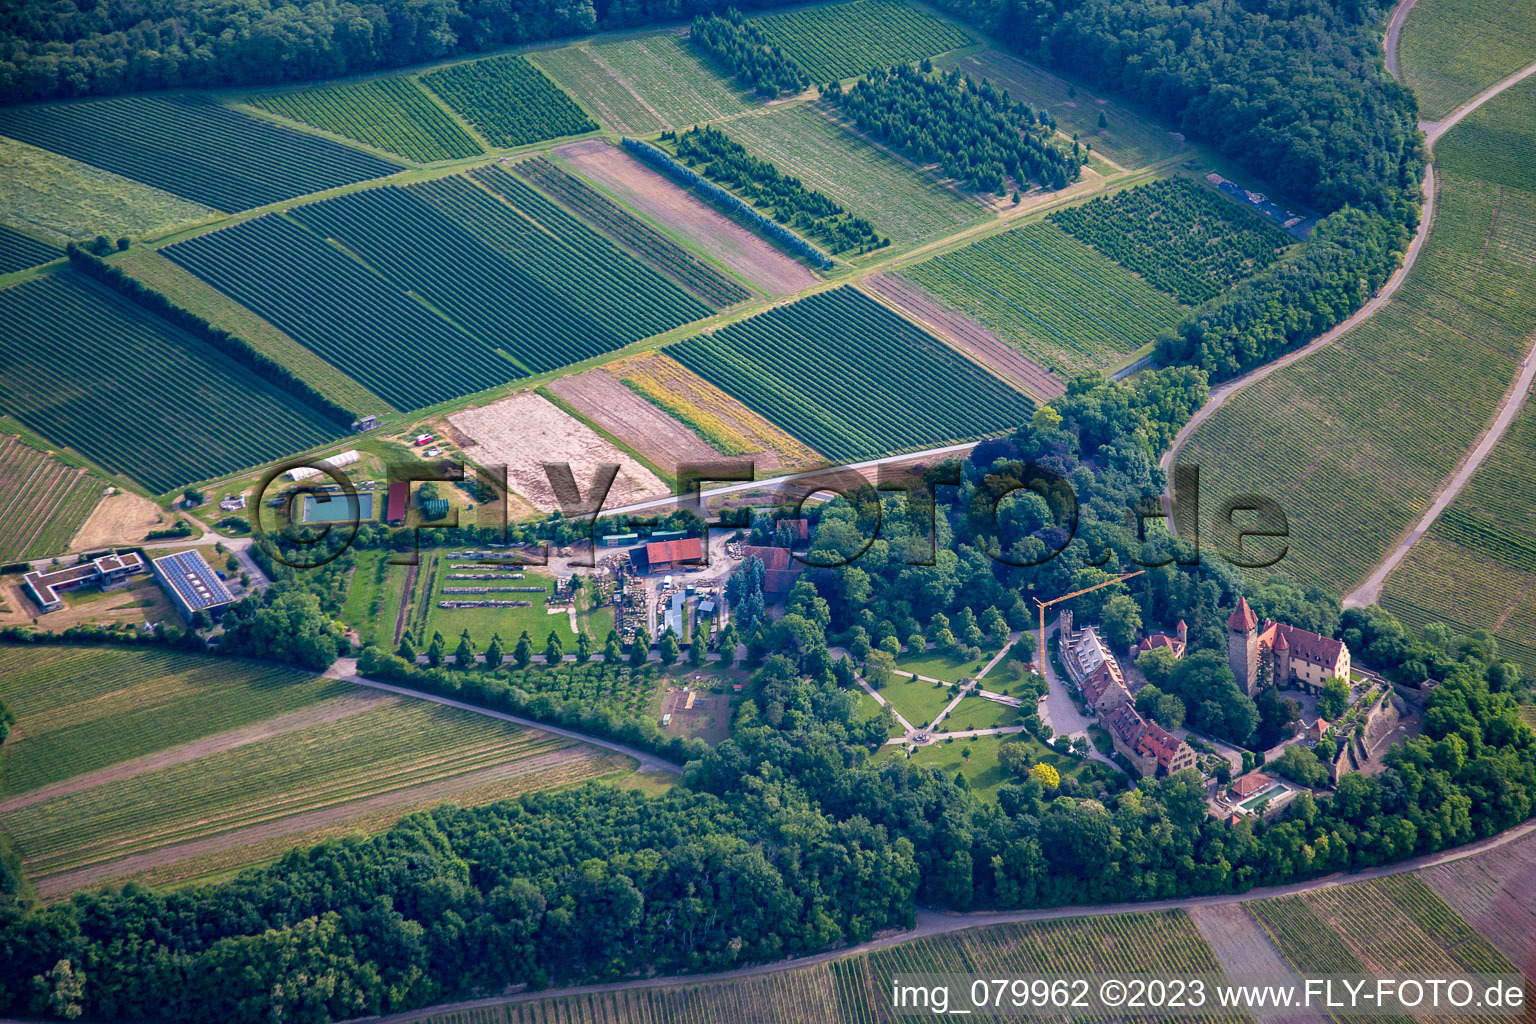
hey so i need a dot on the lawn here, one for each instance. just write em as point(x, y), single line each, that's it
point(1355, 439)
point(980, 713)
point(871, 708)
point(917, 701)
point(983, 768)
point(864, 178)
point(83, 708)
point(483, 623)
point(936, 665)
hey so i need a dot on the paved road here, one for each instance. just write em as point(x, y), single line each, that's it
point(933, 922)
point(346, 668)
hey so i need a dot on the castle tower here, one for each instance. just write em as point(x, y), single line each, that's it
point(1182, 632)
point(1282, 659)
point(1243, 646)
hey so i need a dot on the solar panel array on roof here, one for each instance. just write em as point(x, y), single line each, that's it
point(193, 580)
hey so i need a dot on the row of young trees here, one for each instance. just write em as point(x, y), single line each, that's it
point(973, 132)
point(743, 48)
point(761, 183)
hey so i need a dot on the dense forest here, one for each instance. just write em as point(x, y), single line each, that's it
point(973, 132)
point(789, 837)
point(717, 157)
point(740, 47)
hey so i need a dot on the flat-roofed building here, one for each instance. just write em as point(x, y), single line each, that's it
point(191, 582)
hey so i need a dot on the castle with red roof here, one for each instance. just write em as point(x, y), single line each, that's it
point(1296, 657)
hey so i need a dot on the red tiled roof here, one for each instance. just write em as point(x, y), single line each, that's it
point(773, 559)
point(686, 550)
point(779, 581)
point(1159, 743)
point(1124, 722)
point(1254, 782)
point(1305, 646)
point(1096, 684)
point(1243, 618)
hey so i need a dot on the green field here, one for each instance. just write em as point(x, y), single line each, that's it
point(857, 989)
point(391, 114)
point(852, 379)
point(19, 251)
point(671, 79)
point(1475, 566)
point(578, 72)
point(79, 709)
point(42, 501)
point(60, 199)
point(980, 713)
point(1129, 139)
point(508, 101)
point(942, 666)
point(373, 598)
point(337, 307)
point(1451, 50)
point(643, 240)
point(917, 700)
point(836, 41)
point(1059, 301)
point(1181, 237)
point(1355, 439)
point(191, 292)
point(609, 689)
point(186, 412)
point(483, 623)
point(192, 147)
point(862, 177)
point(382, 750)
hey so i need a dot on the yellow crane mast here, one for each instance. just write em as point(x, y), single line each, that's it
point(1067, 597)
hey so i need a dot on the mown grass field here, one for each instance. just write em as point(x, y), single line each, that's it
point(864, 178)
point(373, 598)
point(83, 708)
point(1129, 139)
point(483, 623)
point(192, 147)
point(836, 41)
point(578, 71)
point(191, 292)
point(1450, 50)
point(386, 749)
point(917, 700)
point(857, 989)
point(42, 501)
point(1354, 439)
point(980, 713)
point(1476, 568)
point(671, 78)
point(854, 380)
point(942, 666)
point(391, 114)
point(1058, 300)
point(186, 413)
point(60, 199)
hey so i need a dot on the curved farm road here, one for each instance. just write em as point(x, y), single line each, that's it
point(1370, 589)
point(931, 922)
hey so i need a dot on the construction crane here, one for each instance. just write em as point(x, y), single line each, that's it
point(1067, 597)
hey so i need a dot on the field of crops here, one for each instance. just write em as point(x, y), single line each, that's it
point(386, 749)
point(42, 501)
point(389, 341)
point(579, 72)
point(1128, 138)
point(1492, 892)
point(645, 241)
point(59, 199)
point(190, 292)
point(1451, 50)
point(84, 708)
point(194, 148)
point(671, 79)
point(1061, 302)
point(852, 379)
point(508, 101)
point(1306, 943)
point(611, 689)
point(857, 989)
point(19, 251)
point(844, 40)
point(1183, 238)
point(1353, 446)
point(865, 179)
point(391, 114)
point(185, 412)
point(1476, 568)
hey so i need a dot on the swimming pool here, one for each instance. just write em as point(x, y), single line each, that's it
point(336, 508)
